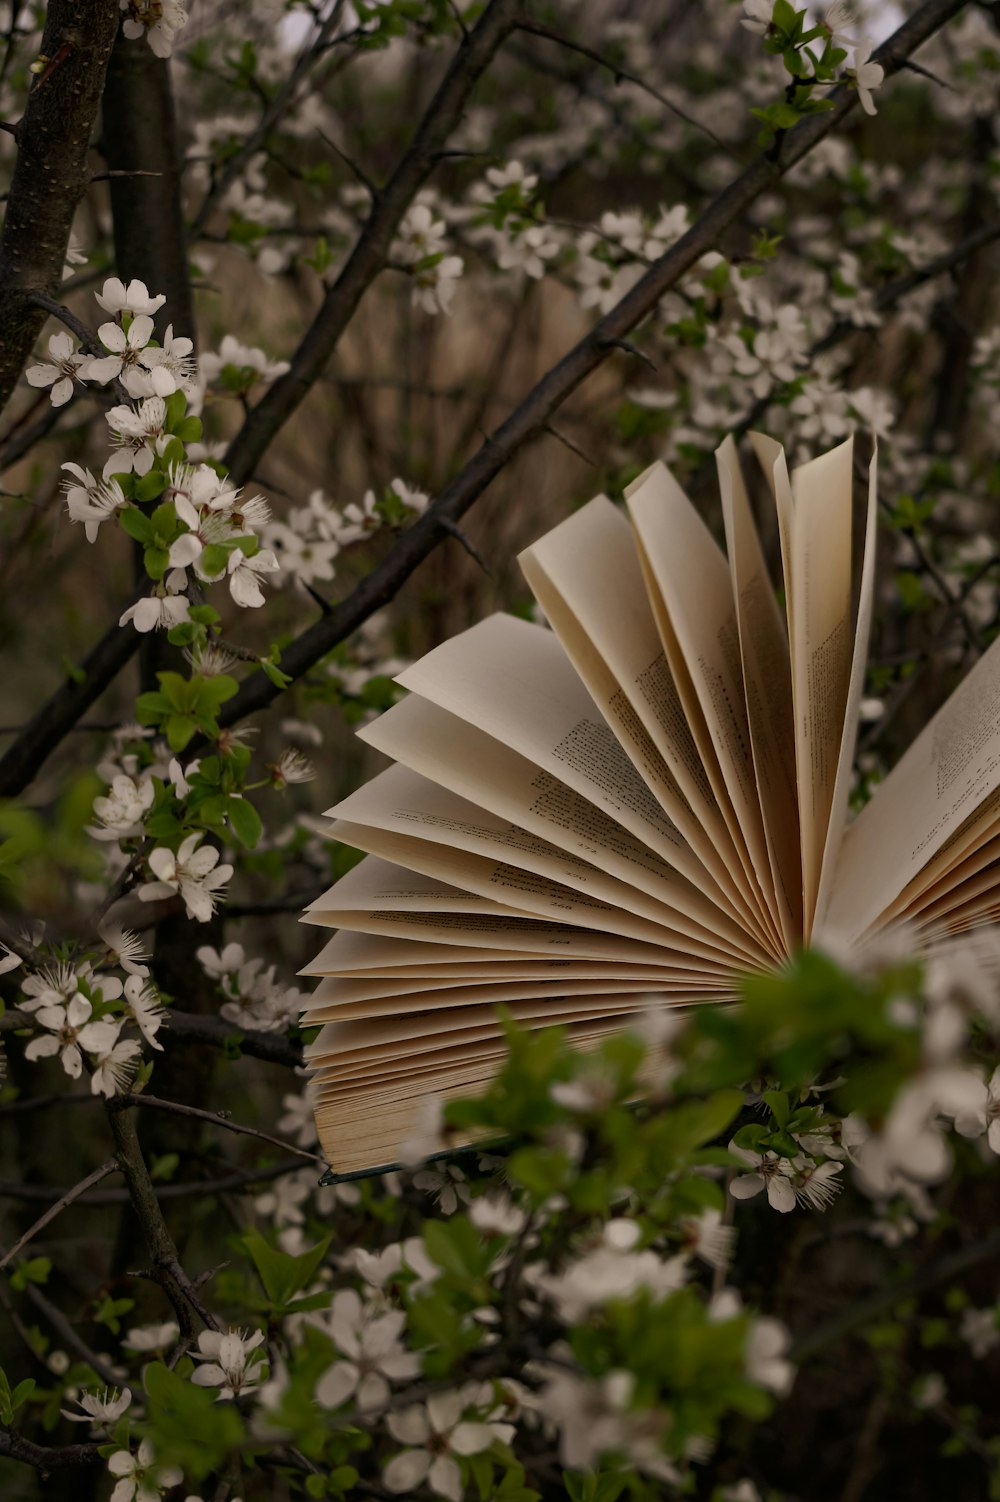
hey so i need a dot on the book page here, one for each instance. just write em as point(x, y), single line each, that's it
point(386, 884)
point(948, 772)
point(545, 994)
point(767, 676)
point(852, 712)
point(513, 681)
point(522, 889)
point(496, 930)
point(961, 846)
point(694, 601)
point(400, 799)
point(587, 578)
point(815, 528)
point(464, 759)
point(350, 953)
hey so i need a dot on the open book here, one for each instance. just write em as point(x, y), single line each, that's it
point(633, 808)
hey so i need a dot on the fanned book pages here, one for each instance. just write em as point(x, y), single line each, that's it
point(635, 805)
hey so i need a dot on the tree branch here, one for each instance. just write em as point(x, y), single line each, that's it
point(216, 1118)
point(371, 250)
point(47, 1458)
point(111, 1166)
point(274, 1048)
point(538, 407)
point(51, 173)
point(21, 761)
point(166, 1264)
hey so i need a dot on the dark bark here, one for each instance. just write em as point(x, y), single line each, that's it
point(51, 173)
point(139, 143)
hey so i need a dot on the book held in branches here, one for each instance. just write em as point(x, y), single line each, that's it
point(633, 806)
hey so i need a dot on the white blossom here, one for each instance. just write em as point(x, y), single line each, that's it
point(230, 1363)
point(136, 433)
point(123, 361)
point(65, 366)
point(437, 1433)
point(152, 1338)
point(99, 1408)
point(984, 1114)
point(244, 575)
point(157, 612)
point(123, 811)
point(769, 1172)
point(980, 1329)
point(867, 75)
point(115, 297)
point(69, 1030)
point(759, 14)
point(192, 872)
point(140, 1478)
point(124, 948)
point(91, 501)
point(114, 1067)
point(371, 1342)
point(144, 1007)
point(243, 357)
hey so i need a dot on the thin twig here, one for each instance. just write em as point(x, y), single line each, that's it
point(217, 1118)
point(111, 1166)
point(863, 1311)
point(623, 75)
point(71, 1337)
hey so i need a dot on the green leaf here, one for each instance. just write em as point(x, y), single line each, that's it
point(244, 821)
point(778, 1103)
point(188, 1425)
point(136, 523)
point(214, 560)
point(282, 1274)
point(189, 431)
point(176, 405)
point(156, 561)
point(455, 1245)
point(149, 486)
point(179, 729)
point(151, 708)
point(277, 677)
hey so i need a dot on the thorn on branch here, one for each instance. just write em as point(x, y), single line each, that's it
point(356, 168)
point(568, 443)
point(629, 349)
point(103, 177)
point(454, 530)
point(323, 603)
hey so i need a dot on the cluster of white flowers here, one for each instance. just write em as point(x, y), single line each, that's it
point(79, 1014)
point(421, 247)
point(309, 538)
point(219, 517)
point(256, 999)
point(144, 367)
